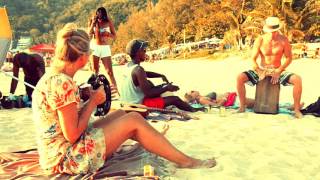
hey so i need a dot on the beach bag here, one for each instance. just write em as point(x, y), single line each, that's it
point(6, 103)
point(9, 103)
point(313, 108)
point(96, 81)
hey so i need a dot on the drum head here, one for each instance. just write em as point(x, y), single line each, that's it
point(96, 82)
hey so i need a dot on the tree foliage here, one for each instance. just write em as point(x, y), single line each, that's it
point(165, 22)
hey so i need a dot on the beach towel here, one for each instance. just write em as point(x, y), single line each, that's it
point(283, 108)
point(126, 163)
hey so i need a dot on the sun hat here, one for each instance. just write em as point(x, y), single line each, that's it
point(134, 45)
point(272, 24)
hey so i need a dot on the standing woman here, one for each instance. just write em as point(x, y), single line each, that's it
point(101, 29)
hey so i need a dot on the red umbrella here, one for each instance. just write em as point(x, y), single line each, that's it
point(42, 48)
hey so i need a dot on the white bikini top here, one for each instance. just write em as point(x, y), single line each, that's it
point(102, 30)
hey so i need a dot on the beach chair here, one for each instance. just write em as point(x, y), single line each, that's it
point(267, 97)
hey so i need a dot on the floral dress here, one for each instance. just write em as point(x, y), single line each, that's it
point(57, 154)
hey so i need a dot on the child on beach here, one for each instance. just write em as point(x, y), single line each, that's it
point(67, 141)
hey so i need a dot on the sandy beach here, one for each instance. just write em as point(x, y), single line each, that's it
point(247, 146)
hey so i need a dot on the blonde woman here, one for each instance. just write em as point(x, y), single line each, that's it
point(67, 142)
point(101, 29)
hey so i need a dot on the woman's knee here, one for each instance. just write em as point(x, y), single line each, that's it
point(135, 117)
point(120, 111)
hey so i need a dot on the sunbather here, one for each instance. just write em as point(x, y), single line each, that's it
point(214, 99)
point(67, 142)
point(224, 99)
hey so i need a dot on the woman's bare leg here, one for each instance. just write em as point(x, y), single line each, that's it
point(108, 66)
point(134, 125)
point(112, 116)
point(95, 64)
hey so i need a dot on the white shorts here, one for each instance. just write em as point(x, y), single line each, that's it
point(101, 51)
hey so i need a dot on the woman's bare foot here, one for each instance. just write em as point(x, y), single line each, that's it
point(165, 128)
point(197, 163)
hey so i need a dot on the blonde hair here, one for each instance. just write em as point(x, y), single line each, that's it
point(71, 44)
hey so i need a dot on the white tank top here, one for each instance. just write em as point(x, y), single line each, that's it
point(129, 92)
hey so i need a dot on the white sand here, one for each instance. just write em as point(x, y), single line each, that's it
point(247, 146)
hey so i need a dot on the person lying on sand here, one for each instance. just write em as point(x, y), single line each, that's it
point(137, 89)
point(67, 142)
point(271, 47)
point(222, 99)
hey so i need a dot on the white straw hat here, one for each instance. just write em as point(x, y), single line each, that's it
point(272, 24)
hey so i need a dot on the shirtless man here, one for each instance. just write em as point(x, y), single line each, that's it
point(136, 88)
point(33, 67)
point(271, 47)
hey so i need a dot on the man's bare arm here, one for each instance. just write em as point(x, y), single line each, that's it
point(148, 90)
point(256, 52)
point(15, 74)
point(156, 75)
point(288, 55)
point(41, 69)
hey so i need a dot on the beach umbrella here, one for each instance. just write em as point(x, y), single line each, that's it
point(5, 35)
point(42, 48)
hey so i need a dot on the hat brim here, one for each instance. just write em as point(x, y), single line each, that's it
point(268, 30)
